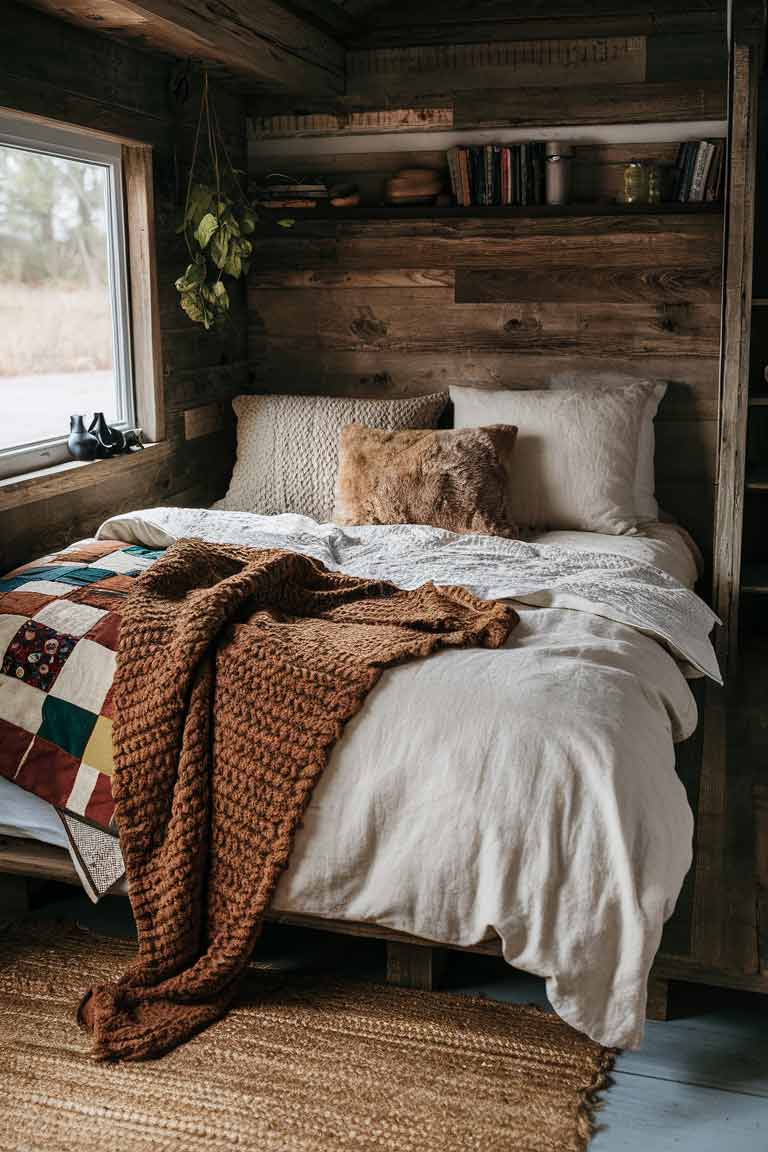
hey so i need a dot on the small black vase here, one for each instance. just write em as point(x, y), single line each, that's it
point(110, 440)
point(81, 444)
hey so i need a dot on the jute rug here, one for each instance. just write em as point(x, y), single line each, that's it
point(302, 1064)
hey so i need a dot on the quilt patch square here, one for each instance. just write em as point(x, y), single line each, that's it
point(87, 676)
point(106, 631)
point(20, 703)
point(37, 654)
point(100, 806)
point(9, 626)
point(37, 571)
point(69, 617)
point(45, 587)
point(89, 550)
point(88, 574)
point(107, 599)
point(14, 743)
point(98, 750)
point(48, 771)
point(83, 785)
point(23, 602)
point(124, 563)
point(66, 725)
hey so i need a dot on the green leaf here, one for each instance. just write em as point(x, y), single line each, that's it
point(234, 265)
point(192, 305)
point(200, 198)
point(286, 222)
point(247, 221)
point(205, 229)
point(193, 275)
point(221, 296)
point(220, 247)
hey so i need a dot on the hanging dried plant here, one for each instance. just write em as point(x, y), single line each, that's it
point(217, 223)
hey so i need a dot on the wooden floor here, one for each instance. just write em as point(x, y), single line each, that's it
point(698, 1084)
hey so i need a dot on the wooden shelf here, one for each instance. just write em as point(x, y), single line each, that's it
point(759, 401)
point(757, 480)
point(454, 212)
point(754, 577)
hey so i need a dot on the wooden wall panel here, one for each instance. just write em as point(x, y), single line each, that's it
point(397, 306)
point(52, 70)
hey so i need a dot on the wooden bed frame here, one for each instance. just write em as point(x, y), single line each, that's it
point(411, 961)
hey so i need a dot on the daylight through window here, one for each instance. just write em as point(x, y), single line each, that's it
point(63, 293)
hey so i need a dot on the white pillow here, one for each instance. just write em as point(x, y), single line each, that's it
point(288, 447)
point(645, 478)
point(584, 455)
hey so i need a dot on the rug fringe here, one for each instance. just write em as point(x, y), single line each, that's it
point(590, 1102)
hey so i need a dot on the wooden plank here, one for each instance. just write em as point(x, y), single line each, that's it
point(616, 241)
point(709, 907)
point(643, 1113)
point(353, 279)
point(658, 1005)
point(692, 391)
point(422, 70)
point(202, 421)
point(590, 104)
point(465, 21)
point(735, 346)
point(66, 479)
point(146, 349)
point(265, 43)
point(414, 966)
point(760, 798)
point(593, 284)
point(392, 320)
point(352, 121)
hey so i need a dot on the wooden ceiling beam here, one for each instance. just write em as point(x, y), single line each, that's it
point(265, 43)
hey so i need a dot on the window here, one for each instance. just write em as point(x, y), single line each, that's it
point(64, 316)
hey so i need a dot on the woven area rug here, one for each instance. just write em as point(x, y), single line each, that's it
point(302, 1064)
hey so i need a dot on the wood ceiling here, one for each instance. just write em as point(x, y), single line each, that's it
point(299, 46)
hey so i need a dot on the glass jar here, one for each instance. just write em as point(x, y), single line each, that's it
point(654, 183)
point(635, 190)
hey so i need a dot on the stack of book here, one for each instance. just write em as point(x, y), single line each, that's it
point(283, 192)
point(698, 175)
point(498, 174)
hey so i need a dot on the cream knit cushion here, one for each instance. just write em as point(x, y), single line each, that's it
point(288, 447)
point(577, 457)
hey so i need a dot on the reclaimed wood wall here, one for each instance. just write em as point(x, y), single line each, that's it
point(50, 69)
point(386, 305)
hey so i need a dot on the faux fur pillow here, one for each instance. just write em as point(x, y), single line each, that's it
point(453, 479)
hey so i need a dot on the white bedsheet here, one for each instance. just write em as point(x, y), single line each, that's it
point(528, 791)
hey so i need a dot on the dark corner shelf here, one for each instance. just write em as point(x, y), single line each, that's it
point(754, 578)
point(478, 212)
point(757, 480)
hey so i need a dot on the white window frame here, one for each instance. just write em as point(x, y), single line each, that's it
point(74, 144)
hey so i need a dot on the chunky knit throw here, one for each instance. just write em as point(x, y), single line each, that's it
point(237, 671)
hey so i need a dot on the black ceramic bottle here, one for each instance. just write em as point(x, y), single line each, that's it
point(81, 443)
point(111, 440)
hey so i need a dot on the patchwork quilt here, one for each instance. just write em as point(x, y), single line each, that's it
point(59, 624)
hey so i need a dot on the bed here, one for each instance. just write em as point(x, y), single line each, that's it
point(554, 825)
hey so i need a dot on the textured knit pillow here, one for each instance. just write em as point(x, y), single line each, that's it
point(450, 479)
point(288, 447)
point(576, 462)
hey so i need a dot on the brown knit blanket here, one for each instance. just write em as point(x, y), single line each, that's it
point(237, 670)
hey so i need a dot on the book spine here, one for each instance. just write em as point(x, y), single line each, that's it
point(696, 191)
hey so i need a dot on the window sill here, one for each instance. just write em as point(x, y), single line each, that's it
point(74, 475)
